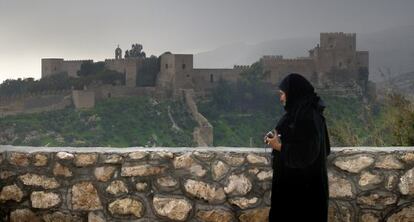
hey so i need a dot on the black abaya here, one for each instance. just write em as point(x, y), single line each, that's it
point(300, 184)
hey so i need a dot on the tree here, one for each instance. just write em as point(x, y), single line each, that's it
point(223, 95)
point(147, 74)
point(399, 117)
point(91, 68)
point(248, 94)
point(254, 74)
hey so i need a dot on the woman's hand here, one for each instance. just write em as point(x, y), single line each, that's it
point(274, 142)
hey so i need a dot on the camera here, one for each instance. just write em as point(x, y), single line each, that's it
point(270, 134)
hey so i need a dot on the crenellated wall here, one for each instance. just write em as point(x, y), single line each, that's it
point(52, 66)
point(191, 184)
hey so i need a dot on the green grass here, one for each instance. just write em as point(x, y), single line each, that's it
point(142, 122)
point(349, 122)
point(113, 122)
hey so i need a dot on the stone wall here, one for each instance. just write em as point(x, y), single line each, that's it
point(278, 68)
point(106, 91)
point(35, 103)
point(206, 79)
point(83, 99)
point(128, 66)
point(52, 66)
point(191, 184)
point(203, 134)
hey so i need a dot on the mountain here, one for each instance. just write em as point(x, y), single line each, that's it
point(245, 54)
point(391, 49)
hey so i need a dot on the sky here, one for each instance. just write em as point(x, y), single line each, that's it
point(92, 29)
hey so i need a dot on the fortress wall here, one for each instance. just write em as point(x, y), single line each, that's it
point(109, 91)
point(56, 65)
point(335, 62)
point(191, 184)
point(5, 100)
point(115, 65)
point(203, 133)
point(279, 68)
point(205, 79)
point(129, 66)
point(132, 67)
point(73, 66)
point(36, 103)
point(83, 99)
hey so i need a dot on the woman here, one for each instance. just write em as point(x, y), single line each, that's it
point(300, 183)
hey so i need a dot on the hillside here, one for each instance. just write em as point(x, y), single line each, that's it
point(146, 122)
point(350, 122)
point(114, 122)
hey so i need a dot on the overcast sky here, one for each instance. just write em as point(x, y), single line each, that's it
point(82, 29)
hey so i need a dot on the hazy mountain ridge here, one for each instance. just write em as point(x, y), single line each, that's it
point(391, 48)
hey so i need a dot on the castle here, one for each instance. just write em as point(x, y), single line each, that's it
point(333, 65)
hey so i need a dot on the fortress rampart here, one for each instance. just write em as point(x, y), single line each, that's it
point(335, 61)
point(35, 102)
point(191, 184)
point(52, 66)
point(5, 100)
point(242, 67)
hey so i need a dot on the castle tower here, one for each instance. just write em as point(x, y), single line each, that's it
point(176, 72)
point(118, 53)
point(51, 66)
point(337, 51)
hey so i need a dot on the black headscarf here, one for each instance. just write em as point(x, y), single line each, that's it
point(300, 98)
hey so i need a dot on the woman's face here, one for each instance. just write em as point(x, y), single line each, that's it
point(282, 97)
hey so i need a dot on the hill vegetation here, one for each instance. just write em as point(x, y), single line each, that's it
point(116, 122)
point(241, 113)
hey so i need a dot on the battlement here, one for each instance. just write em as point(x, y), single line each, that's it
point(293, 60)
point(113, 60)
point(338, 34)
point(124, 59)
point(272, 57)
point(53, 59)
point(51, 66)
point(241, 67)
point(63, 60)
point(79, 60)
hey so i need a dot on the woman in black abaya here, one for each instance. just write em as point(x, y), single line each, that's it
point(300, 183)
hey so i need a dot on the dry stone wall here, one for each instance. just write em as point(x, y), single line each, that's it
point(203, 133)
point(191, 184)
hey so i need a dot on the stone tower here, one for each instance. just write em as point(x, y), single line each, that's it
point(118, 53)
